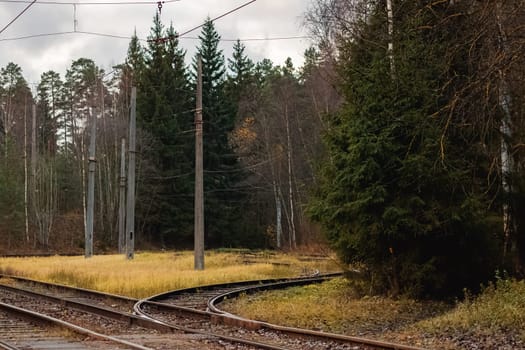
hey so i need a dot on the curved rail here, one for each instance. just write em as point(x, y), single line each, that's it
point(41, 318)
point(130, 319)
point(197, 297)
point(222, 325)
point(218, 316)
point(212, 305)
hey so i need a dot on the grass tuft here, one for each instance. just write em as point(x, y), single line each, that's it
point(499, 308)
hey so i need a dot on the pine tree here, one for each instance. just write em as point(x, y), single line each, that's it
point(49, 111)
point(15, 94)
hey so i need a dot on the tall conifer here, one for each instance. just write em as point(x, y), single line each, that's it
point(163, 105)
point(221, 166)
point(388, 197)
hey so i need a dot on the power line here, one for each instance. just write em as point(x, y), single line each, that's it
point(104, 35)
point(219, 17)
point(36, 36)
point(199, 26)
point(257, 39)
point(20, 14)
point(115, 36)
point(91, 3)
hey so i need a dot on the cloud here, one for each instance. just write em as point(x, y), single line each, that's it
point(262, 19)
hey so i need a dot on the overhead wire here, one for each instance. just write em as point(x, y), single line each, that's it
point(256, 39)
point(116, 36)
point(182, 35)
point(17, 16)
point(218, 17)
point(91, 3)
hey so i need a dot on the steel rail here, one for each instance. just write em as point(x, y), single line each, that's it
point(41, 318)
point(219, 316)
point(215, 315)
point(130, 319)
point(231, 285)
point(212, 306)
point(7, 346)
point(142, 320)
point(87, 292)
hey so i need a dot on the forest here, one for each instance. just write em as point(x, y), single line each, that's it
point(262, 127)
point(399, 142)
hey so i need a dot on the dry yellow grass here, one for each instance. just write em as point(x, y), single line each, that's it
point(153, 273)
point(500, 308)
point(332, 307)
point(494, 319)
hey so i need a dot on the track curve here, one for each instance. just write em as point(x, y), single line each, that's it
point(175, 307)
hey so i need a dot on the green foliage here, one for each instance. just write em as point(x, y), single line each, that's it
point(388, 198)
point(165, 206)
point(48, 90)
point(11, 195)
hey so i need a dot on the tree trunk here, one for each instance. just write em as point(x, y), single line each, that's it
point(390, 20)
point(506, 133)
point(278, 216)
point(293, 242)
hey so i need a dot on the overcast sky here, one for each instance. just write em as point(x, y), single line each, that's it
point(261, 19)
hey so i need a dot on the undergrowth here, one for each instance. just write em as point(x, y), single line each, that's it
point(499, 308)
point(494, 319)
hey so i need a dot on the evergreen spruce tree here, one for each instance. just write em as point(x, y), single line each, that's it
point(163, 105)
point(221, 166)
point(135, 59)
point(388, 198)
point(241, 72)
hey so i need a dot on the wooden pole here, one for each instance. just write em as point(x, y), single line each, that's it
point(199, 187)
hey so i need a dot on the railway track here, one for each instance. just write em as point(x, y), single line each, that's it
point(117, 325)
point(190, 314)
point(24, 329)
point(175, 307)
point(198, 298)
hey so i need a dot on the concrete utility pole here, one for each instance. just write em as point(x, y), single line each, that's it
point(34, 155)
point(199, 187)
point(122, 199)
point(91, 187)
point(26, 203)
point(130, 217)
point(34, 159)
